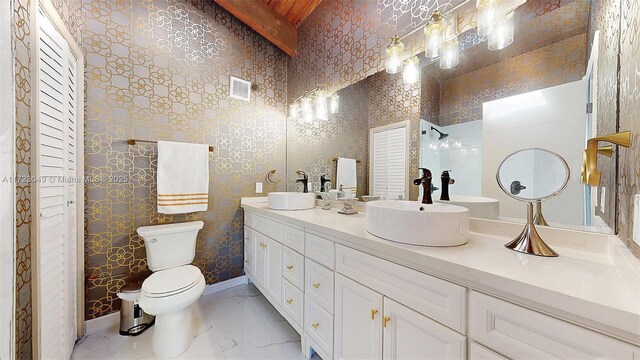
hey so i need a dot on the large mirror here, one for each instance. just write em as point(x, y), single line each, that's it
point(464, 121)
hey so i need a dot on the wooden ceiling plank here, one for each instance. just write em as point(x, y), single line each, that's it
point(264, 20)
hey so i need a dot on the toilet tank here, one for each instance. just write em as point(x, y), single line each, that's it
point(170, 245)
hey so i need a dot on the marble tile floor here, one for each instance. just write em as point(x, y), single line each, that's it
point(237, 323)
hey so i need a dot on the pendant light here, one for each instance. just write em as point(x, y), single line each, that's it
point(486, 16)
point(294, 110)
point(322, 113)
point(411, 71)
point(394, 51)
point(502, 34)
point(334, 103)
point(450, 53)
point(307, 109)
point(434, 35)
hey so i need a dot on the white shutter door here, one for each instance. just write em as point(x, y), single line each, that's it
point(396, 163)
point(55, 141)
point(380, 164)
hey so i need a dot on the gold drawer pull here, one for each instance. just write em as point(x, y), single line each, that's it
point(316, 285)
point(386, 320)
point(289, 301)
point(315, 325)
point(289, 267)
point(373, 314)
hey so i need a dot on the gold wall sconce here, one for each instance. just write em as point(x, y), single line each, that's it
point(590, 174)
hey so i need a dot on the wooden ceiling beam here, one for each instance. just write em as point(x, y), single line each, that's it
point(261, 18)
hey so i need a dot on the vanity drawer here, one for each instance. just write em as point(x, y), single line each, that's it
point(293, 267)
point(268, 227)
point(293, 238)
point(320, 250)
point(438, 299)
point(293, 303)
point(318, 324)
point(518, 332)
point(249, 219)
point(478, 352)
point(319, 284)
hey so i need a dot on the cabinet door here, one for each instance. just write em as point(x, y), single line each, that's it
point(260, 268)
point(411, 335)
point(358, 321)
point(249, 251)
point(274, 271)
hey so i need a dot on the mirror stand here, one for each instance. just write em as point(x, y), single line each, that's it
point(539, 218)
point(529, 241)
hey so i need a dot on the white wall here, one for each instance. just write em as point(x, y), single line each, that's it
point(553, 119)
point(465, 161)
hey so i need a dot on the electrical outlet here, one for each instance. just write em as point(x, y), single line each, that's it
point(258, 187)
point(636, 218)
point(603, 196)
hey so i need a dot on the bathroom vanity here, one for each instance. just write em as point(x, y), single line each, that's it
point(352, 295)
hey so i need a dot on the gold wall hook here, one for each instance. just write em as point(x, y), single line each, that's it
point(590, 174)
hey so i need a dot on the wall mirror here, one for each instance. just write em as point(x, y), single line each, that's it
point(538, 92)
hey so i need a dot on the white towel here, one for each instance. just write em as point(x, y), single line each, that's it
point(346, 175)
point(183, 177)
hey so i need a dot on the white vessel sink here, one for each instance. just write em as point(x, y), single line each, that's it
point(414, 223)
point(291, 201)
point(479, 207)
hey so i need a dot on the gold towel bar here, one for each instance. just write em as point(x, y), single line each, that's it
point(134, 141)
point(335, 159)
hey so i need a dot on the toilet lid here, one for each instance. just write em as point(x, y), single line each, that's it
point(170, 281)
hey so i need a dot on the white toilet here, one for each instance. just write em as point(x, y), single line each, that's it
point(174, 285)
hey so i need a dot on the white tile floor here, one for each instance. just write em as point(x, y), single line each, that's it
point(238, 323)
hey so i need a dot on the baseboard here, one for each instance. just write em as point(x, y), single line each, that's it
point(113, 319)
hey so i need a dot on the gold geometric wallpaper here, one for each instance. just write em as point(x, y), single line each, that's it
point(629, 159)
point(159, 70)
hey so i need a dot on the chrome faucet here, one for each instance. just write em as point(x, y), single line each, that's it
point(446, 181)
point(425, 181)
point(304, 180)
point(323, 181)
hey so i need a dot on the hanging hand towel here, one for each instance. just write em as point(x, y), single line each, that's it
point(183, 177)
point(346, 175)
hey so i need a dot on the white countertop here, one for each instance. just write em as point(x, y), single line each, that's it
point(595, 282)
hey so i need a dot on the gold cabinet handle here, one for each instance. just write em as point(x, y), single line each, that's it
point(386, 320)
point(590, 173)
point(289, 267)
point(289, 301)
point(315, 285)
point(315, 325)
point(373, 314)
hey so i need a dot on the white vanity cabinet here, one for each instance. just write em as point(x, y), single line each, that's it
point(348, 304)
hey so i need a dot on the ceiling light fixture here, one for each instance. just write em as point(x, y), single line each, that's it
point(450, 54)
point(307, 109)
point(322, 113)
point(394, 51)
point(294, 110)
point(334, 103)
point(411, 71)
point(502, 34)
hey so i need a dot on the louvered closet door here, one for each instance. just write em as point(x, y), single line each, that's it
point(55, 142)
point(379, 164)
point(389, 172)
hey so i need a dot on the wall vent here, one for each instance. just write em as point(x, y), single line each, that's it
point(240, 89)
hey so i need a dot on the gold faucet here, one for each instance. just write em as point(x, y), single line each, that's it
point(590, 174)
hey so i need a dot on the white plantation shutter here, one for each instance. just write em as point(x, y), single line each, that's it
point(389, 163)
point(57, 161)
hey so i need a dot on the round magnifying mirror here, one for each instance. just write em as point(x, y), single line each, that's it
point(532, 175)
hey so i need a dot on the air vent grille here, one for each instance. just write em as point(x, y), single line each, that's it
point(240, 89)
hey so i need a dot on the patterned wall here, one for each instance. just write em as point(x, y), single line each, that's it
point(160, 70)
point(629, 159)
point(21, 43)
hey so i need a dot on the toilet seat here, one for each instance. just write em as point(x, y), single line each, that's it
point(171, 281)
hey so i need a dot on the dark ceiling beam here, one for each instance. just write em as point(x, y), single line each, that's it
point(264, 20)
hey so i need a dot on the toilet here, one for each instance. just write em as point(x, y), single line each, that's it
point(174, 285)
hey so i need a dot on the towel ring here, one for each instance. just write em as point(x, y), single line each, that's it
point(269, 179)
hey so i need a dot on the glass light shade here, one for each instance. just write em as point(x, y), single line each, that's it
point(334, 104)
point(434, 35)
point(322, 112)
point(394, 51)
point(411, 71)
point(502, 35)
point(307, 109)
point(486, 16)
point(450, 54)
point(294, 110)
